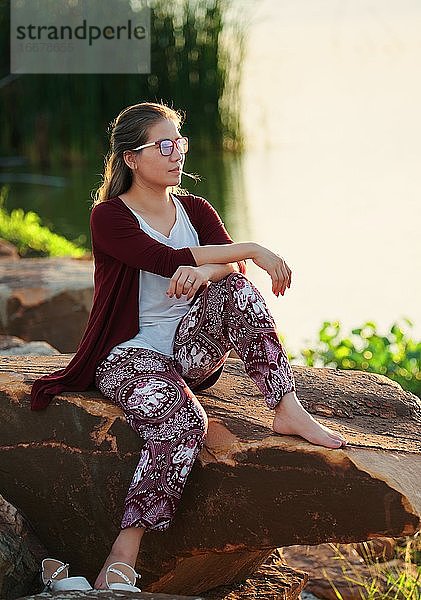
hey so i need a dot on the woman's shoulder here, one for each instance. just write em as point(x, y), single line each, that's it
point(112, 213)
point(111, 208)
point(108, 205)
point(195, 205)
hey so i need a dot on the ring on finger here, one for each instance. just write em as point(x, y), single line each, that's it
point(190, 281)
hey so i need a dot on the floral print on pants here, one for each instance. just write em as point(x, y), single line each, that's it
point(155, 391)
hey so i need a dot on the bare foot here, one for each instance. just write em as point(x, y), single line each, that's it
point(125, 549)
point(291, 418)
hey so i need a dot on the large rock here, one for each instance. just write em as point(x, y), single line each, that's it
point(68, 469)
point(11, 345)
point(20, 552)
point(8, 251)
point(46, 299)
point(106, 595)
point(272, 581)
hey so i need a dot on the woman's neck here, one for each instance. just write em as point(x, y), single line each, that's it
point(147, 201)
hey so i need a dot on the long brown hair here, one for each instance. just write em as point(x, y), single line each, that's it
point(129, 130)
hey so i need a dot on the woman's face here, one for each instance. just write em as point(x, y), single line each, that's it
point(156, 170)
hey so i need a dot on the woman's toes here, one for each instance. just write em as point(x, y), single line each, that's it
point(330, 442)
point(100, 583)
point(339, 437)
point(335, 436)
point(324, 440)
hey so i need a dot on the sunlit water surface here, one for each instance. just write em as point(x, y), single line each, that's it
point(331, 178)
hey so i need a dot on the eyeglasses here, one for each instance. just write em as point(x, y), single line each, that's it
point(166, 147)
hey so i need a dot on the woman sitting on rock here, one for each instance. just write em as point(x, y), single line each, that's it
point(170, 302)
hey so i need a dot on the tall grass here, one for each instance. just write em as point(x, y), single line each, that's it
point(197, 49)
point(399, 579)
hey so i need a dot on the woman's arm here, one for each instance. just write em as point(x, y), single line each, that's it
point(224, 253)
point(192, 279)
point(209, 225)
point(267, 260)
point(217, 272)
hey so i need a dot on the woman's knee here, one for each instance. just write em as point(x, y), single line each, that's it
point(196, 413)
point(241, 289)
point(228, 284)
point(233, 277)
point(154, 403)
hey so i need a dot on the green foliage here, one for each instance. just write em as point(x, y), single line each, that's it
point(197, 51)
point(30, 237)
point(395, 354)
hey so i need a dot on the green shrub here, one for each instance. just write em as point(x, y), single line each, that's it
point(31, 238)
point(395, 354)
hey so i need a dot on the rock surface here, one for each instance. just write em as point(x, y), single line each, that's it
point(14, 346)
point(68, 469)
point(38, 295)
point(377, 550)
point(20, 552)
point(107, 595)
point(8, 251)
point(272, 581)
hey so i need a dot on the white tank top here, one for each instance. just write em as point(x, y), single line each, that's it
point(158, 314)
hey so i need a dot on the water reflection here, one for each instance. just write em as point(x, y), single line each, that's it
point(353, 253)
point(62, 198)
point(332, 171)
point(223, 184)
point(331, 176)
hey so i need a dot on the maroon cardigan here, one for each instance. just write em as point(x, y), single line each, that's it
point(120, 248)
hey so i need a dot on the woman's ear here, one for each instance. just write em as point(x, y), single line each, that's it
point(128, 158)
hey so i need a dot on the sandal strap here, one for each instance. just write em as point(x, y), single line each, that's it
point(59, 570)
point(121, 574)
point(50, 580)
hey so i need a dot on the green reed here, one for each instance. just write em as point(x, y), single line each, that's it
point(197, 49)
point(399, 579)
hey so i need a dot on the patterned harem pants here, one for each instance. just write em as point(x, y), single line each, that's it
point(154, 390)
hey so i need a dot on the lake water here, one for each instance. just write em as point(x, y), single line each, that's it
point(331, 175)
point(331, 178)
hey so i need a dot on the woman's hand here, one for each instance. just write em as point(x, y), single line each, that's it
point(187, 280)
point(276, 267)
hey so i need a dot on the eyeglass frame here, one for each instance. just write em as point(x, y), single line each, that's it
point(158, 144)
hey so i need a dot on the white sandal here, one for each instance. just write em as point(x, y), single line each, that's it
point(114, 577)
point(55, 577)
